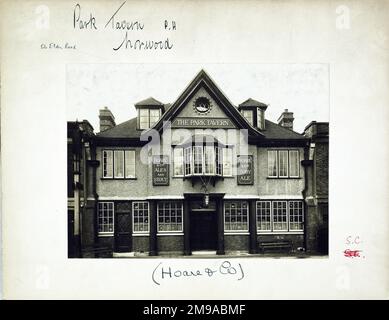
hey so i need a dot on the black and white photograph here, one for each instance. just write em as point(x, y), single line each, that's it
point(209, 151)
point(199, 176)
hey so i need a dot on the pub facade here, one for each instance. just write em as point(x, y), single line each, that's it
point(202, 175)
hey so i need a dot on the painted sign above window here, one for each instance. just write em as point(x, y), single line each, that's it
point(245, 170)
point(222, 123)
point(160, 171)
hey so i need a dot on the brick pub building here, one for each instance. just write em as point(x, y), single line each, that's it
point(200, 174)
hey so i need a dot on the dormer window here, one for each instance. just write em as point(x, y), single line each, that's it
point(149, 112)
point(260, 119)
point(148, 117)
point(248, 114)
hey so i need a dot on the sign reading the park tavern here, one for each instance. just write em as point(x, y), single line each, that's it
point(224, 123)
point(160, 171)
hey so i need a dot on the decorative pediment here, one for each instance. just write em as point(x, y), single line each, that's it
point(203, 105)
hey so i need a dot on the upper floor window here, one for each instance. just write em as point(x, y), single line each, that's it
point(248, 114)
point(260, 119)
point(118, 164)
point(202, 160)
point(148, 117)
point(283, 163)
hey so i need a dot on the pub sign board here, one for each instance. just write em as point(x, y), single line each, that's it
point(218, 123)
point(160, 170)
point(245, 170)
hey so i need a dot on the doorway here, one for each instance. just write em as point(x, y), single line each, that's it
point(203, 230)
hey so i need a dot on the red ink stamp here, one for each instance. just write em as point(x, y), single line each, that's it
point(352, 253)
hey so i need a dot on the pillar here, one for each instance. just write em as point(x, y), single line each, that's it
point(187, 249)
point(220, 226)
point(253, 226)
point(153, 229)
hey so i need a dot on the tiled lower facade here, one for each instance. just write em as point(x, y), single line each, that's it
point(180, 227)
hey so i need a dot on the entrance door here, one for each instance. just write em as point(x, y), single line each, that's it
point(123, 232)
point(203, 230)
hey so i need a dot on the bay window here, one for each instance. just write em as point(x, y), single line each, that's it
point(178, 160)
point(202, 160)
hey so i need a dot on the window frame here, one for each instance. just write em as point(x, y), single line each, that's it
point(276, 162)
point(252, 116)
point(182, 217)
point(133, 217)
point(287, 163)
point(228, 149)
point(104, 151)
point(175, 162)
point(258, 215)
point(297, 162)
point(288, 217)
point(148, 116)
point(106, 233)
point(113, 177)
point(247, 217)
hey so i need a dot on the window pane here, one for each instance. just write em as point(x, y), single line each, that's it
point(294, 163)
point(188, 160)
point(248, 114)
point(227, 162)
point(280, 222)
point(170, 216)
point(119, 163)
point(272, 163)
point(219, 160)
point(260, 119)
point(236, 216)
point(198, 159)
point(105, 217)
point(283, 163)
point(209, 159)
point(107, 163)
point(144, 119)
point(154, 116)
point(296, 217)
point(140, 212)
point(130, 163)
point(264, 215)
point(178, 161)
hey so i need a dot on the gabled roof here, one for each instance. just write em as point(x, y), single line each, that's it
point(275, 131)
point(202, 79)
point(253, 103)
point(127, 129)
point(149, 102)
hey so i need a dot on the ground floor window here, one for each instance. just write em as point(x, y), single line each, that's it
point(236, 216)
point(105, 217)
point(140, 216)
point(170, 216)
point(280, 216)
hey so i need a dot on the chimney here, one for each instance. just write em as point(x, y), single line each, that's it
point(107, 120)
point(286, 120)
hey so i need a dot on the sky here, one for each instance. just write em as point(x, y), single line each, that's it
point(301, 88)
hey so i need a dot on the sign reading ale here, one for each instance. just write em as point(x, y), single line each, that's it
point(245, 170)
point(160, 171)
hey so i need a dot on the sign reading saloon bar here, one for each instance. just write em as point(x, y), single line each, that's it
point(223, 123)
point(160, 171)
point(245, 170)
